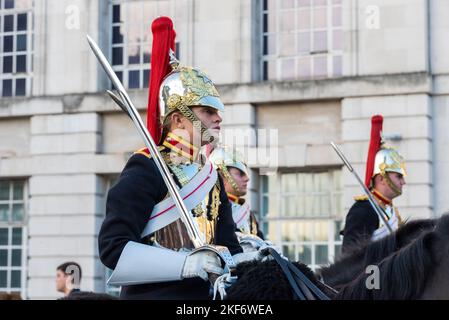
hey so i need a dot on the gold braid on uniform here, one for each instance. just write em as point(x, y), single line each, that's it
point(207, 223)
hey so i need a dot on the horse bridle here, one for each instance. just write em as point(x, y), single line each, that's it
point(303, 287)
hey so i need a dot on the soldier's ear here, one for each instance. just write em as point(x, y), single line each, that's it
point(177, 120)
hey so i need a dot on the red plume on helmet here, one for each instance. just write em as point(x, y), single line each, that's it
point(163, 41)
point(374, 146)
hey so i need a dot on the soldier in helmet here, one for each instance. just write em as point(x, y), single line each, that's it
point(235, 175)
point(142, 238)
point(385, 177)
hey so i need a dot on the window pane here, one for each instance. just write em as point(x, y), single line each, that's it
point(8, 23)
point(23, 4)
point(17, 212)
point(117, 34)
point(3, 258)
point(286, 4)
point(7, 43)
point(3, 236)
point(20, 87)
point(146, 56)
point(21, 42)
point(4, 190)
point(337, 41)
point(21, 63)
point(288, 69)
point(289, 251)
point(116, 13)
point(304, 231)
point(7, 64)
point(265, 22)
point(287, 44)
point(319, 2)
point(21, 21)
point(337, 228)
point(4, 212)
point(288, 182)
point(133, 79)
point(2, 279)
point(320, 66)
point(271, 71)
point(287, 21)
point(320, 41)
point(272, 18)
point(304, 42)
point(321, 231)
point(146, 77)
point(17, 236)
point(338, 71)
point(336, 16)
point(321, 254)
point(15, 279)
point(304, 68)
point(133, 55)
point(304, 3)
point(9, 4)
point(304, 20)
point(7, 88)
point(305, 254)
point(117, 56)
point(319, 18)
point(16, 260)
point(133, 33)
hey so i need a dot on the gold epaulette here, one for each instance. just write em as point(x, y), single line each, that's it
point(362, 197)
point(146, 152)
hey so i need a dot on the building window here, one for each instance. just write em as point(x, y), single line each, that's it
point(302, 39)
point(16, 47)
point(131, 39)
point(301, 213)
point(13, 237)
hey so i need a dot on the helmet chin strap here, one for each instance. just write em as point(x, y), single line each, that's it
point(197, 123)
point(229, 178)
point(392, 185)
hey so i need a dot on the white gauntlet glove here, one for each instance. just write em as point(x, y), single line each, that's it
point(247, 256)
point(200, 263)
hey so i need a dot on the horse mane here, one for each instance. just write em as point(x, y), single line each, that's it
point(371, 252)
point(403, 274)
point(266, 281)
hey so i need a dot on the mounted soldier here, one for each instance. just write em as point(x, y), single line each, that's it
point(234, 171)
point(142, 238)
point(385, 178)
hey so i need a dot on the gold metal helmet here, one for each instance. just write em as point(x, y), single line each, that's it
point(222, 158)
point(185, 87)
point(388, 159)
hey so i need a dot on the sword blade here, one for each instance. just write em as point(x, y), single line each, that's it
point(186, 218)
point(378, 209)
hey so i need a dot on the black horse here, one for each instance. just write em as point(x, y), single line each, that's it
point(366, 253)
point(413, 264)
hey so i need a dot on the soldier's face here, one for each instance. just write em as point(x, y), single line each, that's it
point(210, 118)
point(241, 179)
point(397, 179)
